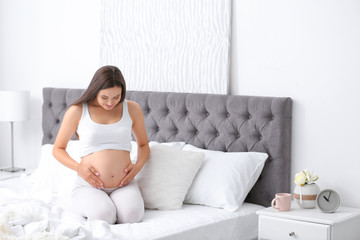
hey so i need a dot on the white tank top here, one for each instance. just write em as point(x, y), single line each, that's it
point(96, 137)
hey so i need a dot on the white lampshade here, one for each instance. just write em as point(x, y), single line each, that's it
point(14, 106)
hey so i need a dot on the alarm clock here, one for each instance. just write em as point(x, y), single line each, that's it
point(328, 200)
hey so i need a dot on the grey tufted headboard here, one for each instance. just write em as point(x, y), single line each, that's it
point(216, 122)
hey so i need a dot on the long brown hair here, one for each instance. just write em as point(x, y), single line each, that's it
point(104, 77)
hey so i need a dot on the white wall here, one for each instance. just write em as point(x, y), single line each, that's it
point(52, 43)
point(308, 50)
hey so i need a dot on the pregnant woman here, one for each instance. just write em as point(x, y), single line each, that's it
point(103, 121)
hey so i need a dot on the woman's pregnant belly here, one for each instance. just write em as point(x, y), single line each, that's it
point(110, 164)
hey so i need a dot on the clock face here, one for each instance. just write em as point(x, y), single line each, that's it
point(328, 200)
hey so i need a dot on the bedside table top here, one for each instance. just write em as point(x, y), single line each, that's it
point(7, 175)
point(312, 215)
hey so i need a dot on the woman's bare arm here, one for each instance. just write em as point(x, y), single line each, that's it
point(139, 132)
point(67, 129)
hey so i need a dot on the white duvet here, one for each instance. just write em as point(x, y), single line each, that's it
point(28, 215)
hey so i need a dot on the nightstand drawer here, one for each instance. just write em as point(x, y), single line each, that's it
point(278, 229)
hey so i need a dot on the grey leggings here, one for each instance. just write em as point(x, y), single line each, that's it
point(113, 205)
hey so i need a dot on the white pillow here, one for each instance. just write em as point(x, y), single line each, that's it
point(134, 147)
point(167, 176)
point(225, 178)
point(51, 175)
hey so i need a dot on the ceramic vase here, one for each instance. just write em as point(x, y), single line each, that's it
point(305, 196)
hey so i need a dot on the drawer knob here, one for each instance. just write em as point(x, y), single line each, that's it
point(291, 234)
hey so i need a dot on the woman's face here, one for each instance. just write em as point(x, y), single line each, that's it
point(108, 98)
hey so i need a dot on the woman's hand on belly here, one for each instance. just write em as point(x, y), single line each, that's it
point(89, 174)
point(131, 170)
point(110, 165)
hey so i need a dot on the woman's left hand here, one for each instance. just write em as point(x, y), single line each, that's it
point(131, 170)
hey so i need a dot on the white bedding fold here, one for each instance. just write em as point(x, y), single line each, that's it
point(28, 215)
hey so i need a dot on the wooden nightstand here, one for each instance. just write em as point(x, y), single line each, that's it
point(309, 224)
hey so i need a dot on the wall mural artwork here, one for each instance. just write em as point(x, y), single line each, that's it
point(168, 45)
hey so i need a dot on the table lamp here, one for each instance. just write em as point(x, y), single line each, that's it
point(14, 107)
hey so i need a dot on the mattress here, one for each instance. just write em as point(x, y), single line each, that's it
point(28, 214)
point(194, 222)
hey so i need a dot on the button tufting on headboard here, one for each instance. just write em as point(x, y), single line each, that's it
point(215, 122)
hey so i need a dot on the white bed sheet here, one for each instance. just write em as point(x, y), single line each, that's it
point(194, 222)
point(43, 216)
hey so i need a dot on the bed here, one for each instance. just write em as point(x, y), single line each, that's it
point(221, 127)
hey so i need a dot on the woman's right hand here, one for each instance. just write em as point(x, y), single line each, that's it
point(89, 174)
